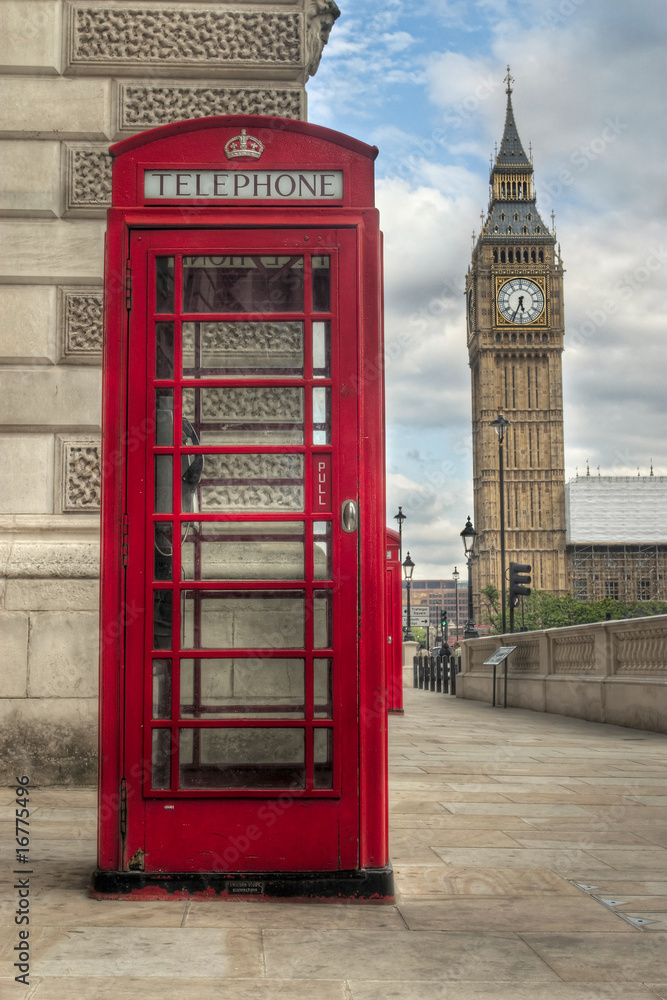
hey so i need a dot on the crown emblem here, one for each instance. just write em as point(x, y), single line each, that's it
point(246, 146)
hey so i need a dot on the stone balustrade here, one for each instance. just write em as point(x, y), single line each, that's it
point(613, 672)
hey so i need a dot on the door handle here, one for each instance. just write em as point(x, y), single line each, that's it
point(349, 516)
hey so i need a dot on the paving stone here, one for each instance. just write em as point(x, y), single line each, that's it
point(182, 953)
point(248, 913)
point(420, 990)
point(580, 839)
point(611, 958)
point(515, 809)
point(445, 880)
point(651, 860)
point(513, 913)
point(339, 954)
point(134, 988)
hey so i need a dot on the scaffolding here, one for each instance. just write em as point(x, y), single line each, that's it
point(622, 571)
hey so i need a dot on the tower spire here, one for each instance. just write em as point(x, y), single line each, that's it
point(511, 153)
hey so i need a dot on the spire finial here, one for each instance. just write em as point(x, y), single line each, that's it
point(509, 80)
point(651, 472)
point(588, 468)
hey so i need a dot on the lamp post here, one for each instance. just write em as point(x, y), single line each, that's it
point(455, 576)
point(500, 424)
point(408, 568)
point(469, 535)
point(400, 517)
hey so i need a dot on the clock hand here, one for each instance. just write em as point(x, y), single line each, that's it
point(515, 312)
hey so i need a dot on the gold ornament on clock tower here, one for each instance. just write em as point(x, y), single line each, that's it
point(514, 295)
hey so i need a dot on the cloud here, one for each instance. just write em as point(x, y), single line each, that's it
point(589, 96)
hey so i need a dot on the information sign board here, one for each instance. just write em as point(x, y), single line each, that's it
point(500, 654)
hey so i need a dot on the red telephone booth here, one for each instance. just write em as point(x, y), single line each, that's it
point(394, 628)
point(243, 572)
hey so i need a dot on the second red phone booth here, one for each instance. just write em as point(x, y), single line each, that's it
point(243, 541)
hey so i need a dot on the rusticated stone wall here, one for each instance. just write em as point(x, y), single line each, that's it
point(614, 672)
point(75, 77)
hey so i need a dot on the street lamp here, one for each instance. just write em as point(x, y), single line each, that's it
point(400, 517)
point(408, 568)
point(455, 576)
point(469, 535)
point(501, 425)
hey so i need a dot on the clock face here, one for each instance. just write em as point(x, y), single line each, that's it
point(520, 301)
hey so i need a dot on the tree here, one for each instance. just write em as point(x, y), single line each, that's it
point(491, 610)
point(542, 610)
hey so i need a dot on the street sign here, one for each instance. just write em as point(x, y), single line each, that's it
point(418, 617)
point(500, 654)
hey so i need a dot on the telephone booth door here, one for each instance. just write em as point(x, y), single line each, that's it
point(236, 681)
point(234, 723)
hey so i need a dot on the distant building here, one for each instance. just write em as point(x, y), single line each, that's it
point(617, 537)
point(439, 594)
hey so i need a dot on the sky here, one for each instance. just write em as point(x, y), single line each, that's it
point(424, 81)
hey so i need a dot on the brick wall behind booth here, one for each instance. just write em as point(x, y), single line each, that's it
point(75, 77)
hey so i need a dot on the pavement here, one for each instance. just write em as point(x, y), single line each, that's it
point(530, 854)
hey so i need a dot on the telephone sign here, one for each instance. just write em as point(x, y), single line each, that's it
point(242, 746)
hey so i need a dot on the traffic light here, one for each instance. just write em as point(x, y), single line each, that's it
point(443, 619)
point(519, 581)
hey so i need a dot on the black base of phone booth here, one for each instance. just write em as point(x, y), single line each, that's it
point(371, 884)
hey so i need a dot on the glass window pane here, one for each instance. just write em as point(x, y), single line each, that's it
point(242, 758)
point(243, 619)
point(164, 284)
point(322, 537)
point(323, 758)
point(245, 416)
point(268, 349)
point(164, 417)
point(162, 619)
point(161, 759)
point(243, 550)
point(322, 619)
point(164, 350)
point(162, 689)
point(163, 550)
point(236, 688)
point(321, 350)
point(322, 689)
point(321, 416)
point(253, 284)
point(252, 483)
point(321, 272)
point(164, 465)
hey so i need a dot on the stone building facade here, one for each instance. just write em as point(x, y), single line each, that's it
point(75, 77)
point(617, 537)
point(514, 294)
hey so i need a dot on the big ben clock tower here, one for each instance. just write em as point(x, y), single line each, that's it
point(514, 299)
